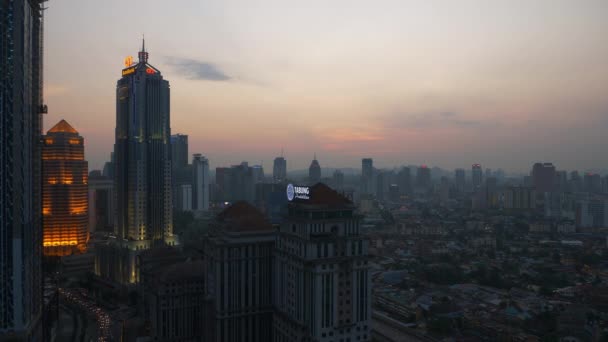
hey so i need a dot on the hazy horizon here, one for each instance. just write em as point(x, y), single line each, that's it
point(504, 84)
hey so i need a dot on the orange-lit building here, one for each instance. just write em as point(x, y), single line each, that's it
point(64, 191)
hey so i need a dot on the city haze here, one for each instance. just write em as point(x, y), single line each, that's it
point(405, 82)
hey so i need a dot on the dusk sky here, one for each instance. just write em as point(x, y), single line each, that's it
point(445, 83)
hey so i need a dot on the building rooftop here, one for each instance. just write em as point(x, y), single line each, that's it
point(182, 271)
point(62, 127)
point(321, 194)
point(243, 217)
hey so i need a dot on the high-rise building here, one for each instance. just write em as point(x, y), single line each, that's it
point(142, 183)
point(592, 182)
point(367, 176)
point(20, 169)
point(238, 258)
point(322, 285)
point(381, 184)
point(65, 202)
point(519, 198)
point(575, 184)
point(279, 169)
point(108, 168)
point(179, 151)
point(423, 177)
point(476, 176)
point(404, 181)
point(543, 177)
point(338, 179)
point(101, 204)
point(460, 179)
point(314, 171)
point(200, 183)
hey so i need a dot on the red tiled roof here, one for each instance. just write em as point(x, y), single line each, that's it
point(321, 194)
point(242, 216)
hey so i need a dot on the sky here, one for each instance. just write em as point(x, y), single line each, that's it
point(445, 83)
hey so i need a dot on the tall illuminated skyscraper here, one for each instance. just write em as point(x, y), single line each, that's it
point(64, 191)
point(20, 164)
point(142, 179)
point(143, 154)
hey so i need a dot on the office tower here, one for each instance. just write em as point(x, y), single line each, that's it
point(460, 179)
point(20, 169)
point(476, 176)
point(367, 175)
point(108, 168)
point(423, 177)
point(338, 179)
point(393, 192)
point(592, 182)
point(488, 173)
point(381, 183)
point(592, 212)
point(238, 256)
point(101, 204)
point(65, 203)
point(519, 198)
point(183, 197)
point(142, 183)
point(543, 177)
point(257, 174)
point(322, 285)
point(179, 151)
point(404, 181)
point(314, 171)
point(561, 180)
point(279, 169)
point(200, 183)
point(575, 183)
point(237, 183)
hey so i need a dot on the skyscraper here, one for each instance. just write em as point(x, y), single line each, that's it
point(314, 171)
point(367, 175)
point(20, 169)
point(238, 254)
point(423, 177)
point(476, 175)
point(404, 181)
point(543, 177)
point(460, 179)
point(322, 285)
point(65, 202)
point(179, 151)
point(279, 169)
point(142, 153)
point(200, 183)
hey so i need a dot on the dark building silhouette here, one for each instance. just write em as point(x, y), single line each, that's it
point(543, 177)
point(476, 176)
point(142, 180)
point(65, 202)
point(20, 169)
point(404, 181)
point(367, 175)
point(279, 169)
point(314, 171)
point(423, 177)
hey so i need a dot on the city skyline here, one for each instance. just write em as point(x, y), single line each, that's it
point(449, 84)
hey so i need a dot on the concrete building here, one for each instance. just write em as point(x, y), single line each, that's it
point(367, 176)
point(314, 171)
point(21, 103)
point(322, 285)
point(200, 183)
point(142, 182)
point(476, 176)
point(279, 169)
point(65, 202)
point(238, 259)
point(101, 205)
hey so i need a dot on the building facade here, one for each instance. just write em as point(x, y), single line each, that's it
point(20, 169)
point(65, 202)
point(314, 171)
point(367, 176)
point(142, 181)
point(476, 176)
point(238, 257)
point(279, 169)
point(200, 183)
point(322, 282)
